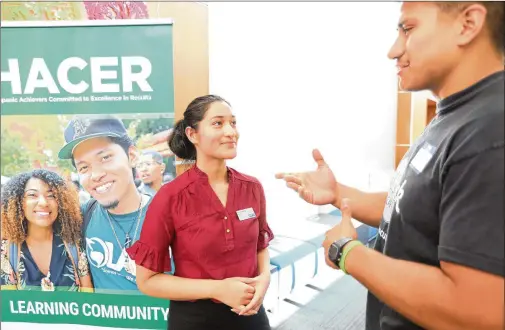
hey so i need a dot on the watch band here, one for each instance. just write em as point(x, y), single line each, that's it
point(348, 247)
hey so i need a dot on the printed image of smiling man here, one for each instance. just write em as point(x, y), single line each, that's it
point(104, 157)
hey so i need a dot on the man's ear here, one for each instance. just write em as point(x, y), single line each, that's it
point(472, 21)
point(133, 156)
point(191, 134)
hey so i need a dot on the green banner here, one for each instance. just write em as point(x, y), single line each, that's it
point(51, 71)
point(86, 67)
point(106, 310)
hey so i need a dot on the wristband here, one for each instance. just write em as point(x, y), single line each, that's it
point(347, 248)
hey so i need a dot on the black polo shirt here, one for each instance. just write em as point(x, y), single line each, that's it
point(446, 200)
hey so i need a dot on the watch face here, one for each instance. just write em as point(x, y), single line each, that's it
point(333, 252)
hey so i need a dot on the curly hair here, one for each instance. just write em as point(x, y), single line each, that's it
point(14, 223)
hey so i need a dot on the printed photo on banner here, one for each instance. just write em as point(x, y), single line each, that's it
point(84, 134)
point(72, 178)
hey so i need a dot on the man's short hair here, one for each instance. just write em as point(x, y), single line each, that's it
point(157, 157)
point(495, 18)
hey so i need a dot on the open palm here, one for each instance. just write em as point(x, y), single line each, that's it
point(317, 187)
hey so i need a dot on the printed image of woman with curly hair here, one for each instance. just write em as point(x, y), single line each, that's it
point(41, 235)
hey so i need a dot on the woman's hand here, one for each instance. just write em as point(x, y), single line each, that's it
point(235, 292)
point(260, 284)
point(86, 284)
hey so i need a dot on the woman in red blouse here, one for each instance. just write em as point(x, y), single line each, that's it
point(213, 218)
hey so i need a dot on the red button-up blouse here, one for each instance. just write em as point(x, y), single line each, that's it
point(208, 240)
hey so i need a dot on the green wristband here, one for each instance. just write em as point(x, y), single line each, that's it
point(347, 248)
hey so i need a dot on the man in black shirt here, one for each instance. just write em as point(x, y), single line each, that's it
point(438, 261)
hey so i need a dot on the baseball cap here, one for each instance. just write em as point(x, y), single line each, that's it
point(82, 128)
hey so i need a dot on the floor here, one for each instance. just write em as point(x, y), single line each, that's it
point(330, 301)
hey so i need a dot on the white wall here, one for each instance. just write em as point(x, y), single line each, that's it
point(305, 75)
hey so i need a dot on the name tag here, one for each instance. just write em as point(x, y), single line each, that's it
point(246, 214)
point(422, 157)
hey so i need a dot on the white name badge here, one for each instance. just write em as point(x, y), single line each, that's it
point(246, 214)
point(422, 157)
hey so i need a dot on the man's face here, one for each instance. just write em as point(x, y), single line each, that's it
point(105, 170)
point(150, 170)
point(426, 48)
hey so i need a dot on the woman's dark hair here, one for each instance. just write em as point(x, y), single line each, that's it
point(178, 142)
point(14, 224)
